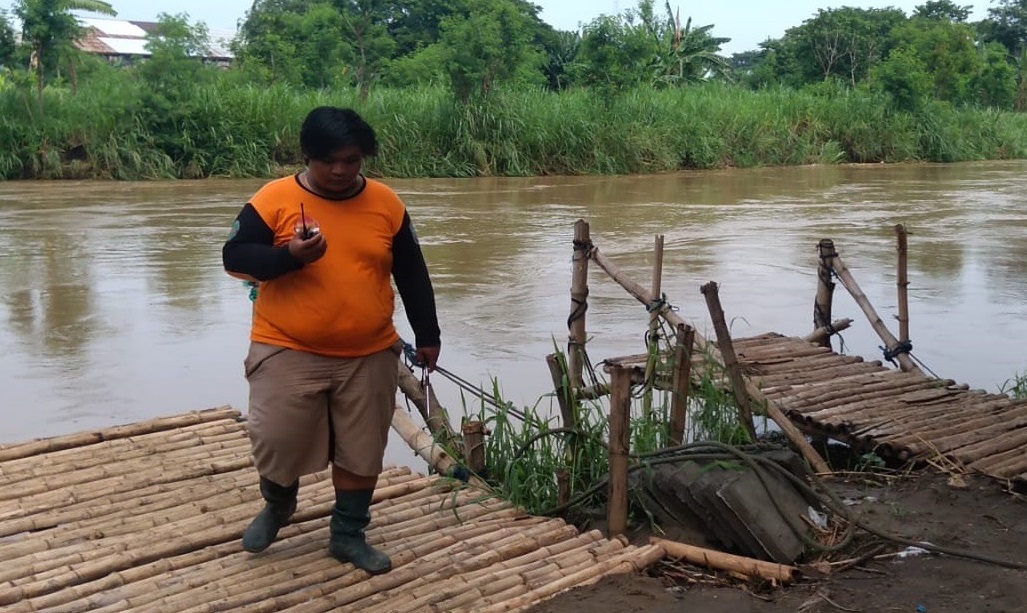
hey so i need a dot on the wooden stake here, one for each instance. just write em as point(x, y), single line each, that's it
point(657, 279)
point(620, 415)
point(579, 304)
point(425, 446)
point(825, 291)
point(727, 351)
point(563, 486)
point(902, 282)
point(684, 339)
point(474, 446)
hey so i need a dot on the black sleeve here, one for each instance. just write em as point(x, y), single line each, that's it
point(250, 249)
point(414, 285)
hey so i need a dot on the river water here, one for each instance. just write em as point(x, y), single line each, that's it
point(114, 307)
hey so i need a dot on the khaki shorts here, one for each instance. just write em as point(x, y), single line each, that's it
point(307, 411)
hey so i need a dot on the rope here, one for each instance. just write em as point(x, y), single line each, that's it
point(586, 246)
point(580, 307)
point(897, 350)
point(410, 353)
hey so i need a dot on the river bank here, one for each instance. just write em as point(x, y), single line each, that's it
point(109, 129)
point(968, 513)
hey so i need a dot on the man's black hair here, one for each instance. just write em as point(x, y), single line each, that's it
point(327, 129)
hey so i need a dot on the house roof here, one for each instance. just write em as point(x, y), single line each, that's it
point(123, 37)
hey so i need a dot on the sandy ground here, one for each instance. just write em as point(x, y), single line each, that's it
point(971, 514)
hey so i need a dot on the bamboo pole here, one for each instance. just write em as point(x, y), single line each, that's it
point(902, 281)
point(787, 427)
point(727, 352)
point(432, 412)
point(822, 335)
point(905, 362)
point(684, 339)
point(38, 446)
point(579, 304)
point(620, 416)
point(825, 291)
point(634, 560)
point(719, 560)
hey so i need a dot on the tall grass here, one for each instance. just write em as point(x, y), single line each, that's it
point(528, 448)
point(119, 126)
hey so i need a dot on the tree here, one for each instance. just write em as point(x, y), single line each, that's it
point(50, 30)
point(620, 51)
point(175, 47)
point(995, 84)
point(7, 43)
point(844, 43)
point(948, 52)
point(295, 41)
point(1007, 24)
point(366, 21)
point(904, 78)
point(943, 10)
point(491, 45)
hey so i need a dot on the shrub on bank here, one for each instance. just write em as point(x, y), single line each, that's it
point(119, 127)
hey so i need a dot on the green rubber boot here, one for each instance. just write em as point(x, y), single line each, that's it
point(347, 544)
point(281, 504)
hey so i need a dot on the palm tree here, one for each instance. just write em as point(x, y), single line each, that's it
point(50, 29)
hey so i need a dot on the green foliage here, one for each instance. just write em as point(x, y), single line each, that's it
point(7, 42)
point(1007, 25)
point(995, 83)
point(638, 48)
point(223, 125)
point(486, 48)
point(904, 78)
point(843, 43)
point(943, 10)
point(948, 55)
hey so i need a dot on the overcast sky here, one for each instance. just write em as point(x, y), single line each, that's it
point(746, 22)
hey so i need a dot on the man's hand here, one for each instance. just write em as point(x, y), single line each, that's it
point(309, 250)
point(427, 357)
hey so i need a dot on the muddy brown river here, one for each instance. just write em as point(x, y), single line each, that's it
point(114, 307)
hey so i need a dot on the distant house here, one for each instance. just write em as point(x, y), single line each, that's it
point(124, 42)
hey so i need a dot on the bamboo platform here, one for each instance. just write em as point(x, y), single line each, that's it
point(905, 415)
point(148, 517)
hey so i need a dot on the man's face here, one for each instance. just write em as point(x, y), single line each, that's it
point(336, 174)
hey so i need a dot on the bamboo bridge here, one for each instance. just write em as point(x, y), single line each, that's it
point(148, 516)
point(812, 391)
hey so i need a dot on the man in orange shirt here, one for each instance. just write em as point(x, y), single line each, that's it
point(322, 247)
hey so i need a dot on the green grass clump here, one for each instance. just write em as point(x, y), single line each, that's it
point(528, 448)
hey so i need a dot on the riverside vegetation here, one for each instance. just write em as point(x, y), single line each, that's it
point(111, 128)
point(462, 88)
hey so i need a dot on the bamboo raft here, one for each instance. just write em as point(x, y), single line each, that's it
point(149, 516)
point(905, 415)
